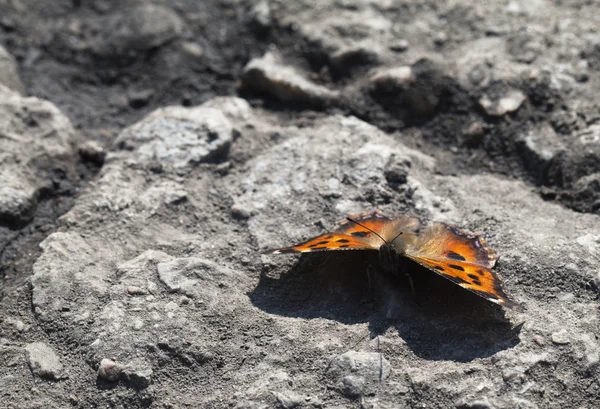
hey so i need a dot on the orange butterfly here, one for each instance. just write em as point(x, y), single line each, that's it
point(461, 257)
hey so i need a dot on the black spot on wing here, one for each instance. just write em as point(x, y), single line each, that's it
point(322, 242)
point(343, 241)
point(454, 266)
point(480, 272)
point(457, 280)
point(438, 268)
point(344, 246)
point(360, 233)
point(456, 256)
point(473, 277)
point(313, 245)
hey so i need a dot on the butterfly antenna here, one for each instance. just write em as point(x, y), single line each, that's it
point(397, 235)
point(366, 228)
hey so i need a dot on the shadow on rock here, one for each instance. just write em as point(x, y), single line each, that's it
point(439, 321)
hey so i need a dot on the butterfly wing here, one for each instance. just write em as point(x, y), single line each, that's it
point(352, 236)
point(328, 242)
point(359, 225)
point(462, 258)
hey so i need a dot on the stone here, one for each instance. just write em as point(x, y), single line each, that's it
point(561, 337)
point(44, 362)
point(180, 136)
point(92, 151)
point(260, 13)
point(357, 373)
point(139, 28)
point(36, 140)
point(109, 370)
point(137, 374)
point(9, 72)
point(507, 103)
point(268, 75)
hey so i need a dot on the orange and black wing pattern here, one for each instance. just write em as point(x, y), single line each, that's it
point(328, 242)
point(362, 225)
point(366, 231)
point(462, 258)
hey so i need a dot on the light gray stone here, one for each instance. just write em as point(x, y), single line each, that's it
point(506, 104)
point(180, 136)
point(138, 28)
point(35, 139)
point(9, 72)
point(267, 74)
point(43, 361)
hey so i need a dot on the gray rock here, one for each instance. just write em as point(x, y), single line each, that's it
point(560, 337)
point(180, 136)
point(195, 277)
point(9, 72)
point(35, 140)
point(539, 147)
point(152, 268)
point(357, 373)
point(260, 13)
point(43, 361)
point(109, 370)
point(507, 103)
point(267, 74)
point(92, 151)
point(137, 374)
point(138, 28)
point(393, 79)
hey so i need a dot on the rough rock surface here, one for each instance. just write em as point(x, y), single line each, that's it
point(9, 74)
point(148, 288)
point(36, 147)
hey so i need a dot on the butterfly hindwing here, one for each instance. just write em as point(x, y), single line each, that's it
point(462, 258)
point(329, 242)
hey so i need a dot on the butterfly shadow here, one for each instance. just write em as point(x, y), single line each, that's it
point(438, 321)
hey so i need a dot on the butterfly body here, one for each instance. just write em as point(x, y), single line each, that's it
point(461, 257)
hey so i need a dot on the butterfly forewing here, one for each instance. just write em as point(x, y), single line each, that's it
point(462, 258)
point(328, 242)
point(365, 231)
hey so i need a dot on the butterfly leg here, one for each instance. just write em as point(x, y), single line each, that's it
point(370, 272)
point(411, 283)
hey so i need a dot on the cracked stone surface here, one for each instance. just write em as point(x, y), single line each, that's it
point(165, 146)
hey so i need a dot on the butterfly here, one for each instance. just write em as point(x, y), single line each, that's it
point(460, 257)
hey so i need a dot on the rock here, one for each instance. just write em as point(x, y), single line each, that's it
point(109, 370)
point(400, 45)
point(9, 72)
point(539, 148)
point(92, 151)
point(416, 89)
point(346, 59)
point(137, 374)
point(138, 29)
point(358, 373)
point(282, 82)
point(43, 361)
point(289, 399)
point(586, 192)
point(393, 79)
point(194, 277)
point(180, 136)
point(260, 13)
point(500, 105)
point(36, 141)
point(561, 337)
